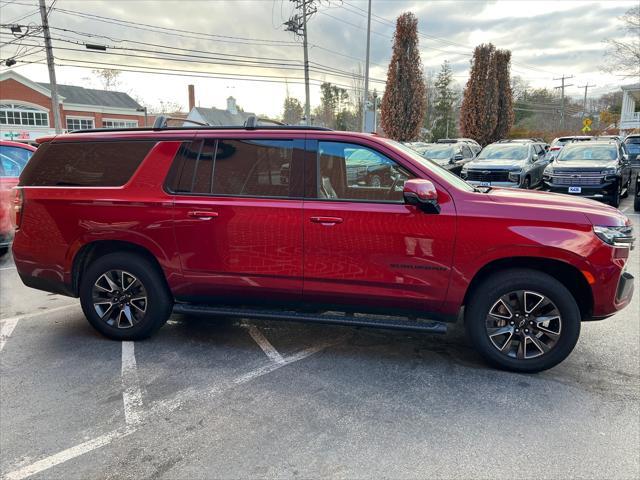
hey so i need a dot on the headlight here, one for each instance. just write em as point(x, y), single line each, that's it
point(616, 236)
point(608, 171)
point(514, 175)
point(548, 170)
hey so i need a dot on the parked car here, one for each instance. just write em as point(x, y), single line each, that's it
point(475, 146)
point(632, 143)
point(560, 142)
point(597, 170)
point(199, 221)
point(452, 156)
point(514, 164)
point(13, 158)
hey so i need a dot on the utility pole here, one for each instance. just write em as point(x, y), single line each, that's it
point(55, 104)
point(366, 71)
point(584, 103)
point(562, 87)
point(298, 25)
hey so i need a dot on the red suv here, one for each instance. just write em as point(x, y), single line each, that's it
point(13, 157)
point(270, 223)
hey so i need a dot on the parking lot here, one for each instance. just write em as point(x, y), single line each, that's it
point(216, 398)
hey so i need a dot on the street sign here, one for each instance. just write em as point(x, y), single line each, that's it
point(586, 125)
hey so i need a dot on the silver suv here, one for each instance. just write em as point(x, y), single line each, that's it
point(507, 164)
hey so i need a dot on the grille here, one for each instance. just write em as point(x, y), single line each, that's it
point(488, 176)
point(577, 179)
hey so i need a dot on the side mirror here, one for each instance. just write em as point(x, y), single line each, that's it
point(457, 156)
point(625, 157)
point(421, 193)
point(535, 157)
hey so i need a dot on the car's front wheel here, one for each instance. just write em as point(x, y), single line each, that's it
point(616, 195)
point(124, 296)
point(523, 320)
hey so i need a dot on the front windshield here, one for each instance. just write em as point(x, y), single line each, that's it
point(437, 169)
point(588, 152)
point(504, 152)
point(437, 152)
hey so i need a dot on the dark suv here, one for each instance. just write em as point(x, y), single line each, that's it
point(595, 169)
point(145, 222)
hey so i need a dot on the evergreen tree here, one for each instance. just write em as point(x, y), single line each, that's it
point(444, 124)
point(404, 101)
point(293, 111)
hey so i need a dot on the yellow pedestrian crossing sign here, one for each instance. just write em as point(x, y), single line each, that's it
point(586, 125)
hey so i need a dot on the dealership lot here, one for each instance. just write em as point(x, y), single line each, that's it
point(226, 399)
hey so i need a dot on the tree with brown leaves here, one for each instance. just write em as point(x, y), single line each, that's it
point(505, 95)
point(479, 112)
point(404, 102)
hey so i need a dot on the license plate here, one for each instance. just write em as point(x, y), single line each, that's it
point(485, 184)
point(575, 189)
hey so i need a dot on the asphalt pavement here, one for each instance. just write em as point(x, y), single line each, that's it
point(211, 398)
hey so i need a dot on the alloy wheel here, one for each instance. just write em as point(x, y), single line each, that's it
point(119, 299)
point(523, 324)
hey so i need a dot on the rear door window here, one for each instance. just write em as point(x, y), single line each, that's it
point(252, 168)
point(85, 164)
point(13, 160)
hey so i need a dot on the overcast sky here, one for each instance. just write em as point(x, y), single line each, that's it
point(547, 39)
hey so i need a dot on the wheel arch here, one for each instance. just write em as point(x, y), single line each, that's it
point(565, 273)
point(90, 252)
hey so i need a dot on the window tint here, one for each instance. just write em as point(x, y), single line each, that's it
point(353, 172)
point(235, 167)
point(85, 164)
point(13, 160)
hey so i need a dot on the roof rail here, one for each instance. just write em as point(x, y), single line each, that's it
point(204, 127)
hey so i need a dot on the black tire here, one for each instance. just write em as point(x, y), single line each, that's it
point(526, 184)
point(636, 203)
point(627, 188)
point(158, 301)
point(4, 250)
point(615, 197)
point(486, 296)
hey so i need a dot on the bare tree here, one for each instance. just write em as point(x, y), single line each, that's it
point(404, 101)
point(505, 95)
point(623, 56)
point(108, 77)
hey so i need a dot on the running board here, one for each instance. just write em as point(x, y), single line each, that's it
point(290, 316)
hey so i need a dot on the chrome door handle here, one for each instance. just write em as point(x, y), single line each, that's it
point(326, 220)
point(202, 214)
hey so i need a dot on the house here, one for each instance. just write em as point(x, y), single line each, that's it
point(630, 113)
point(215, 116)
point(25, 108)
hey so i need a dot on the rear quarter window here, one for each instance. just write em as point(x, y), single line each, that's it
point(85, 164)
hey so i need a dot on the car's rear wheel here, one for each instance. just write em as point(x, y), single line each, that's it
point(615, 196)
point(627, 187)
point(523, 320)
point(124, 296)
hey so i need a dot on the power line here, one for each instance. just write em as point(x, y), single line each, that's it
point(562, 87)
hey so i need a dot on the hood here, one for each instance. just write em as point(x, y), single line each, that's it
point(584, 165)
point(596, 213)
point(501, 164)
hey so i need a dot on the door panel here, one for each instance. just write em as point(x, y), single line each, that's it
point(363, 247)
point(238, 211)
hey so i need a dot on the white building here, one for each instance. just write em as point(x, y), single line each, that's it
point(629, 117)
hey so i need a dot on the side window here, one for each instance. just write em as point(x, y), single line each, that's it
point(466, 152)
point(13, 160)
point(234, 167)
point(85, 164)
point(353, 172)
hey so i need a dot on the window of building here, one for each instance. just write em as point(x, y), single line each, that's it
point(85, 164)
point(23, 115)
point(234, 167)
point(79, 123)
point(353, 172)
point(119, 123)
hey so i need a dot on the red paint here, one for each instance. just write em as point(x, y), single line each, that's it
point(388, 255)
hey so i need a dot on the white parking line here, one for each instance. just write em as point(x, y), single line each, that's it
point(7, 325)
point(6, 329)
point(264, 344)
point(7, 268)
point(131, 391)
point(160, 409)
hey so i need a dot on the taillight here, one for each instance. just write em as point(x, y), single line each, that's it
point(554, 148)
point(17, 203)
